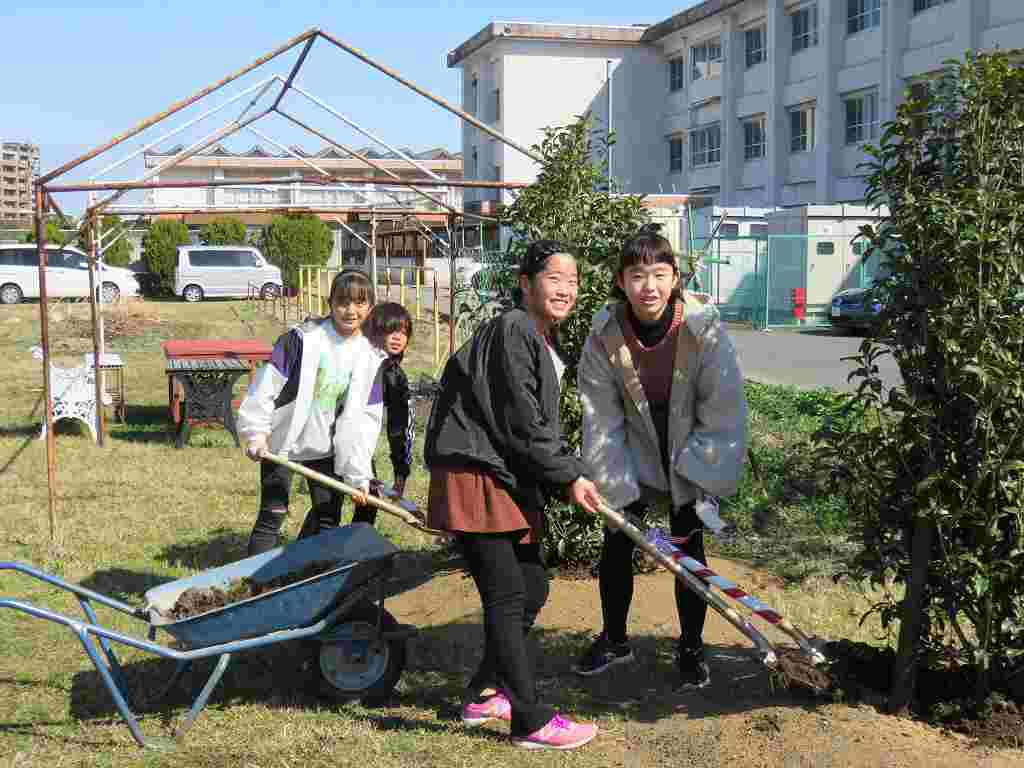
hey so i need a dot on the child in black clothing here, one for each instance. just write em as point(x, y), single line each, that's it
point(389, 328)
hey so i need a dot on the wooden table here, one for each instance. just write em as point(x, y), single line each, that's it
point(201, 375)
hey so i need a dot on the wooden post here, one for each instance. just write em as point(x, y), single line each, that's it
point(401, 286)
point(44, 332)
point(97, 347)
point(437, 327)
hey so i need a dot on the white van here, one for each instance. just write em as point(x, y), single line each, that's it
point(67, 275)
point(211, 271)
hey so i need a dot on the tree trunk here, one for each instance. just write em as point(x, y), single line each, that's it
point(911, 619)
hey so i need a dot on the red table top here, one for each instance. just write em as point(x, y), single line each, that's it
point(248, 349)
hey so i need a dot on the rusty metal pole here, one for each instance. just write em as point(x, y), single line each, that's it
point(452, 251)
point(44, 332)
point(373, 251)
point(426, 94)
point(97, 348)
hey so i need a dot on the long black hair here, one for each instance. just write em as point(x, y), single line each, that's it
point(535, 259)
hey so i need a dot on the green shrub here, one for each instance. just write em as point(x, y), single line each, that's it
point(293, 241)
point(160, 251)
point(224, 230)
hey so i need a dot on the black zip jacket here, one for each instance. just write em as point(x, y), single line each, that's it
point(399, 424)
point(497, 411)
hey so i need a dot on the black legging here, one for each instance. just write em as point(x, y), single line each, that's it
point(513, 588)
point(616, 579)
point(275, 484)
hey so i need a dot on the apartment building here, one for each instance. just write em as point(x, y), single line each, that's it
point(752, 102)
point(19, 167)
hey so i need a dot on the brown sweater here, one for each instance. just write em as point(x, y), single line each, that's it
point(655, 363)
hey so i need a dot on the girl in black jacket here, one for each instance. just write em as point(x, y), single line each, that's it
point(494, 448)
point(389, 328)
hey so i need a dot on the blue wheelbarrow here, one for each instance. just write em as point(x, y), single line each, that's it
point(356, 648)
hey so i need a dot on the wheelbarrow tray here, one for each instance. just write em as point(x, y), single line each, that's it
point(361, 554)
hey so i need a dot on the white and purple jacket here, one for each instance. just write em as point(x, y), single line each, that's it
point(279, 400)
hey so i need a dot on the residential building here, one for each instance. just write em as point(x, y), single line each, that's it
point(398, 212)
point(751, 102)
point(19, 168)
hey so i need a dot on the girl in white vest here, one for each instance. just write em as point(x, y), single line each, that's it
point(317, 402)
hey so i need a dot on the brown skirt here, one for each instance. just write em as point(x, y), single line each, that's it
point(464, 500)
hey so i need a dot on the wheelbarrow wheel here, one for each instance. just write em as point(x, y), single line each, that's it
point(352, 661)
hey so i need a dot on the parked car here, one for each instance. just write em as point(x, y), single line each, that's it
point(855, 308)
point(213, 271)
point(67, 275)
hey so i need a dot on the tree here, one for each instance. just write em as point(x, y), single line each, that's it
point(934, 471)
point(226, 230)
point(114, 237)
point(51, 231)
point(160, 250)
point(296, 240)
point(570, 201)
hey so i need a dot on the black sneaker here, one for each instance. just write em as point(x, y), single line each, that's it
point(602, 654)
point(694, 672)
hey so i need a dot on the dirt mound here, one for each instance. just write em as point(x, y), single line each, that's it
point(197, 600)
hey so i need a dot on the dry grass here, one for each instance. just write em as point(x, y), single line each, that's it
point(139, 512)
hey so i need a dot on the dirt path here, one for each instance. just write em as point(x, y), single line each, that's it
point(738, 722)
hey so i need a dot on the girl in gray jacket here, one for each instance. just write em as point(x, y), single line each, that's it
point(664, 422)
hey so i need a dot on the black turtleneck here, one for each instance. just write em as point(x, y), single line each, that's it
point(649, 334)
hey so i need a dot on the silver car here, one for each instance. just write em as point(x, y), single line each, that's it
point(67, 275)
point(213, 271)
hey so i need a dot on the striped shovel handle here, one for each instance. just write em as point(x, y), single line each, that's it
point(617, 520)
point(405, 512)
point(660, 540)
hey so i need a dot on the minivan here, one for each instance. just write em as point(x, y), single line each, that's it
point(211, 271)
point(67, 275)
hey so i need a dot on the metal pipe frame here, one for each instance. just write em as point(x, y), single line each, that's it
point(125, 186)
point(263, 83)
point(176, 107)
point(377, 166)
point(44, 190)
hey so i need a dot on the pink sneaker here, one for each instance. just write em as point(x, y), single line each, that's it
point(496, 707)
point(559, 733)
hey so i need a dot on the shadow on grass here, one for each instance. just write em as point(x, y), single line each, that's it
point(122, 583)
point(144, 424)
point(439, 665)
point(222, 546)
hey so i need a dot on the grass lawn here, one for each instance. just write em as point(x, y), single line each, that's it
point(138, 513)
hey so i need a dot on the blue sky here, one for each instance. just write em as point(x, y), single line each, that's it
point(89, 71)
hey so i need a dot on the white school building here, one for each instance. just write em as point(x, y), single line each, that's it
point(758, 103)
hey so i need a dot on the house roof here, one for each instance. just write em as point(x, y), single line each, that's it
point(580, 33)
point(632, 34)
point(325, 152)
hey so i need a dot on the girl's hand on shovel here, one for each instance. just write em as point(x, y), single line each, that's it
point(360, 498)
point(584, 493)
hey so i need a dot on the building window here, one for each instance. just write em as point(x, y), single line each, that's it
point(706, 60)
point(805, 27)
point(676, 72)
point(729, 231)
point(675, 155)
point(862, 14)
point(497, 104)
point(472, 95)
point(755, 45)
point(759, 230)
point(924, 5)
point(861, 117)
point(497, 173)
point(922, 90)
point(825, 248)
point(706, 145)
point(474, 163)
point(754, 140)
point(801, 128)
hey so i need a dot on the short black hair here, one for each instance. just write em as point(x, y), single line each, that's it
point(387, 318)
point(646, 247)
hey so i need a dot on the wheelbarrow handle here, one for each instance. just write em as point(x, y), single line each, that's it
point(619, 521)
point(385, 506)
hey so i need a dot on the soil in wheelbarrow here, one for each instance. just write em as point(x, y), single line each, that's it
point(197, 600)
point(943, 696)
